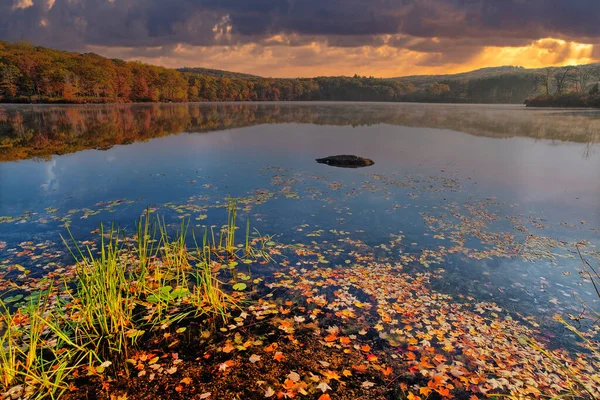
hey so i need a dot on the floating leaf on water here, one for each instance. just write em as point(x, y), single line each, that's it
point(13, 299)
point(239, 286)
point(254, 358)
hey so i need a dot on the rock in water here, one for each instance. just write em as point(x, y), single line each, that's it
point(346, 161)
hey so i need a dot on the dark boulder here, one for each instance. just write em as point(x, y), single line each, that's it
point(346, 161)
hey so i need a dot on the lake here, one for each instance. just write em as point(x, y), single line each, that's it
point(495, 200)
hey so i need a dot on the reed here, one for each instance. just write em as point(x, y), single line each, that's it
point(9, 364)
point(121, 292)
point(103, 309)
point(577, 388)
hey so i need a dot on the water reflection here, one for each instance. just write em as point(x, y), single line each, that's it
point(514, 194)
point(42, 131)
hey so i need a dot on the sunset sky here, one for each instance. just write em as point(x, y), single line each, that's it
point(292, 38)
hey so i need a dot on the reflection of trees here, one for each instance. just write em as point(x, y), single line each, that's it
point(588, 150)
point(42, 131)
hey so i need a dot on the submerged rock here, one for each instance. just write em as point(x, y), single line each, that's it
point(346, 161)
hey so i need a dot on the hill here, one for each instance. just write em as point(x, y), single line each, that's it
point(420, 80)
point(216, 73)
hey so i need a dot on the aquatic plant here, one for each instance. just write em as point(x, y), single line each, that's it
point(104, 302)
point(579, 389)
point(34, 350)
point(120, 292)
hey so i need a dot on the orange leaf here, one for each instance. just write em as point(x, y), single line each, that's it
point(435, 382)
point(278, 356)
point(439, 358)
point(288, 384)
point(331, 375)
point(324, 396)
point(270, 348)
point(359, 368)
point(366, 348)
point(331, 338)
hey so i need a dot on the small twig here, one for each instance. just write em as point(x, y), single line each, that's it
point(393, 380)
point(587, 265)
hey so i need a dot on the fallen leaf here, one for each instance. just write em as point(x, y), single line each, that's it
point(270, 392)
point(367, 385)
point(254, 358)
point(323, 387)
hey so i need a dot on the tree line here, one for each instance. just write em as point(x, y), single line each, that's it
point(569, 86)
point(30, 74)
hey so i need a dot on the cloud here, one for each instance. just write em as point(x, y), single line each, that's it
point(317, 58)
point(440, 32)
point(22, 4)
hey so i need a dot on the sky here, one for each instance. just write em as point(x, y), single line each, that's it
point(306, 38)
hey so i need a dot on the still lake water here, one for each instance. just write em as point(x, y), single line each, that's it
point(496, 196)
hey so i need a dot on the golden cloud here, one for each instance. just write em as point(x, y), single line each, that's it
point(275, 58)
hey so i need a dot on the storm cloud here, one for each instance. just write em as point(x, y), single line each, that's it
point(447, 30)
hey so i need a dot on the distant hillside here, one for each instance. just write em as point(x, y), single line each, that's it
point(216, 73)
point(34, 74)
point(420, 80)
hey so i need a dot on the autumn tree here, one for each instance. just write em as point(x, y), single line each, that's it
point(9, 77)
point(438, 89)
point(546, 80)
point(583, 76)
point(563, 78)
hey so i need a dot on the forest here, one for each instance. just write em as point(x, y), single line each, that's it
point(33, 74)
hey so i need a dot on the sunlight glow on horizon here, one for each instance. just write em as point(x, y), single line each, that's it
point(276, 58)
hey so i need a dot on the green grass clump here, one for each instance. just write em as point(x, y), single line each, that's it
point(36, 352)
point(121, 292)
point(102, 312)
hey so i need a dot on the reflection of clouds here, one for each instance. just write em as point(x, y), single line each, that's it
point(51, 182)
point(111, 158)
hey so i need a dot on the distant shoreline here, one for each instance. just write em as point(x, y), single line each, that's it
point(568, 100)
point(112, 102)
